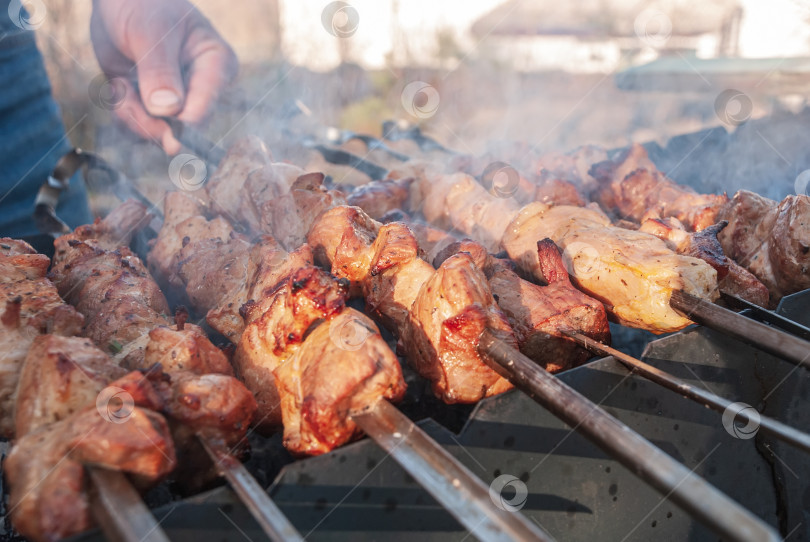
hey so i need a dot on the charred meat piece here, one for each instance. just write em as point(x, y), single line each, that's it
point(283, 200)
point(536, 313)
point(114, 292)
point(450, 312)
point(45, 468)
point(633, 187)
point(344, 367)
point(19, 261)
point(275, 327)
point(116, 229)
point(184, 222)
point(771, 239)
point(437, 314)
point(552, 190)
point(379, 197)
point(340, 239)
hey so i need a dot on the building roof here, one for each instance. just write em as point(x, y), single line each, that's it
point(601, 18)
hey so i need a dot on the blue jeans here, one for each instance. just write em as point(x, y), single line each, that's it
point(32, 137)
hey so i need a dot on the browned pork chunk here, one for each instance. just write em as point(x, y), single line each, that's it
point(771, 239)
point(344, 367)
point(539, 314)
point(275, 327)
point(633, 187)
point(46, 473)
point(29, 307)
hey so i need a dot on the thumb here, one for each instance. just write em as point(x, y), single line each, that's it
point(159, 76)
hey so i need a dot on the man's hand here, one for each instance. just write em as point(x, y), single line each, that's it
point(179, 61)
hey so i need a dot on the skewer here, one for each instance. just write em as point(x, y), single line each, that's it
point(119, 510)
point(271, 519)
point(756, 334)
point(699, 498)
point(766, 425)
point(768, 316)
point(444, 477)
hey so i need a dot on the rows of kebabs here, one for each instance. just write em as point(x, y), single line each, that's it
point(272, 254)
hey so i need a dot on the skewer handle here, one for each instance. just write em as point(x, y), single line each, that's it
point(706, 398)
point(444, 477)
point(119, 510)
point(699, 498)
point(756, 334)
point(272, 520)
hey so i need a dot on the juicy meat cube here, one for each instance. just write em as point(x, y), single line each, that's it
point(771, 239)
point(60, 376)
point(449, 314)
point(536, 313)
point(344, 367)
point(115, 230)
point(185, 349)
point(632, 186)
point(276, 326)
point(340, 239)
point(28, 308)
point(19, 261)
point(45, 468)
point(225, 188)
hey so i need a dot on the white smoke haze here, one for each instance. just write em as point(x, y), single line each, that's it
point(504, 70)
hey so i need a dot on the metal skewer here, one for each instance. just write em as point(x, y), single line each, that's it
point(444, 477)
point(756, 334)
point(766, 425)
point(119, 510)
point(699, 498)
point(768, 316)
point(271, 519)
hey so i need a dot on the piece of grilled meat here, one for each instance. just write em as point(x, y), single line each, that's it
point(46, 468)
point(633, 187)
point(633, 273)
point(539, 314)
point(272, 303)
point(437, 314)
point(771, 239)
point(29, 307)
point(732, 277)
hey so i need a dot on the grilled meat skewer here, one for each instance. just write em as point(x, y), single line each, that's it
point(50, 381)
point(272, 304)
point(632, 272)
point(768, 238)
